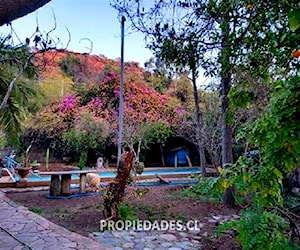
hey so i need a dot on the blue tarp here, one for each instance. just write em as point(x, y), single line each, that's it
point(181, 156)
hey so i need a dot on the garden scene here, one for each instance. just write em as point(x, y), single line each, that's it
point(85, 139)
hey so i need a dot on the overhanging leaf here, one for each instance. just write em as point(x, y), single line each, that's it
point(294, 19)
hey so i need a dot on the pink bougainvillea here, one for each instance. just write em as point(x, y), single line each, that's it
point(179, 110)
point(68, 103)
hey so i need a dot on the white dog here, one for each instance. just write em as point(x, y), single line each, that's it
point(93, 181)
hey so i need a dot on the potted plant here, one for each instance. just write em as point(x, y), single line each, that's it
point(24, 168)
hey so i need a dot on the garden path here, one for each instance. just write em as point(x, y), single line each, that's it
point(21, 229)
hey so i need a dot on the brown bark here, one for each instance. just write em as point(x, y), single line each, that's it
point(199, 125)
point(115, 190)
point(226, 126)
point(13, 9)
point(227, 158)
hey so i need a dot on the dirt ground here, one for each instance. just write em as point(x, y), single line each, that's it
point(82, 214)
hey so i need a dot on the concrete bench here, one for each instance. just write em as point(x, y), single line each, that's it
point(60, 183)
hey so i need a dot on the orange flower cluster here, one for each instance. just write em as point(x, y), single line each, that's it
point(296, 53)
point(249, 6)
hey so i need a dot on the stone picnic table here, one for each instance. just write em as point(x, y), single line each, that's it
point(60, 183)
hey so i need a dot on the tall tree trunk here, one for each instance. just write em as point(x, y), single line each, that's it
point(115, 190)
point(199, 125)
point(227, 158)
point(13, 9)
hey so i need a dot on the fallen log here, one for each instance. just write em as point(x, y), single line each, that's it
point(162, 180)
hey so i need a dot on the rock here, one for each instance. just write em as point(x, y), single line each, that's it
point(166, 244)
point(168, 237)
point(296, 191)
point(183, 234)
point(195, 242)
point(197, 237)
point(132, 233)
point(185, 245)
point(128, 245)
point(212, 221)
point(235, 216)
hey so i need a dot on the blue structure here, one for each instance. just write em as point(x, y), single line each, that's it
point(180, 154)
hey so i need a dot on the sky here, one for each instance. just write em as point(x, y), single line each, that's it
point(95, 20)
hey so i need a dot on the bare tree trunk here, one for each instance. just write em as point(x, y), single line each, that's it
point(199, 126)
point(115, 190)
point(162, 155)
point(13, 9)
point(227, 158)
point(226, 127)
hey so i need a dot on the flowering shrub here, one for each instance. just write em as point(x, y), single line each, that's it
point(68, 104)
point(86, 120)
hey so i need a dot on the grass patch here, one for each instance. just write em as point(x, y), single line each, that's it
point(36, 210)
point(126, 212)
point(60, 212)
point(152, 213)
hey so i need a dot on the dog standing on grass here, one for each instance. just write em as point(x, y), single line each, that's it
point(93, 181)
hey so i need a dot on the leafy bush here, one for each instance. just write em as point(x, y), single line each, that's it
point(126, 212)
point(209, 188)
point(83, 159)
point(259, 229)
point(88, 136)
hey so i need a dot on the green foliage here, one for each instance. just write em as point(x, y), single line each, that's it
point(36, 210)
point(23, 98)
point(126, 212)
point(259, 178)
point(139, 167)
point(55, 88)
point(209, 188)
point(153, 213)
point(259, 229)
point(83, 159)
point(239, 98)
point(276, 134)
point(89, 135)
point(294, 19)
point(2, 141)
point(73, 67)
point(158, 132)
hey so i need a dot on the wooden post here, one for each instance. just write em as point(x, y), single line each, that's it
point(65, 184)
point(55, 185)
point(175, 161)
point(82, 184)
point(189, 161)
